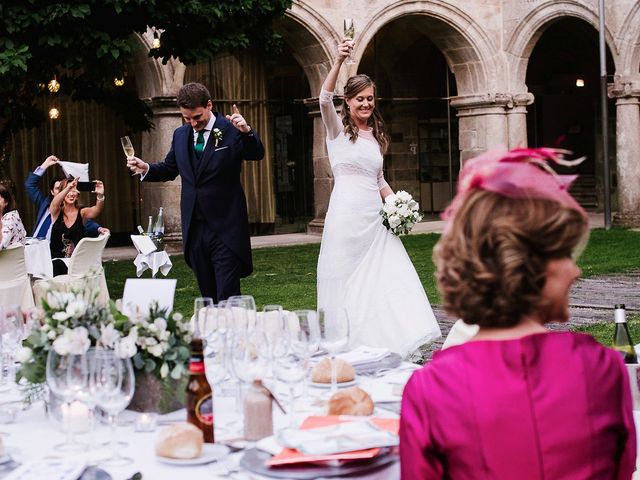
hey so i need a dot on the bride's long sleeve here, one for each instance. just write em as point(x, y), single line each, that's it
point(330, 117)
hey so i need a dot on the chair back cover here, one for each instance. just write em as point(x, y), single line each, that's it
point(15, 287)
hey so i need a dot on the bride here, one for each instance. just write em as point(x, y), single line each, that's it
point(363, 267)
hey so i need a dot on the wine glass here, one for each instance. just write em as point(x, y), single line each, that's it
point(247, 303)
point(349, 32)
point(127, 146)
point(308, 322)
point(67, 376)
point(11, 335)
point(273, 325)
point(200, 305)
point(214, 330)
point(113, 382)
point(334, 336)
point(293, 367)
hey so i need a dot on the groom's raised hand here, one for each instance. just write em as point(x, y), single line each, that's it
point(137, 166)
point(238, 120)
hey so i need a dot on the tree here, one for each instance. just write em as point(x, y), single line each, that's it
point(86, 44)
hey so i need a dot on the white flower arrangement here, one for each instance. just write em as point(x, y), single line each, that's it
point(157, 341)
point(400, 212)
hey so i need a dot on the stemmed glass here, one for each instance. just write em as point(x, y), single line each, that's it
point(113, 382)
point(67, 376)
point(350, 33)
point(214, 330)
point(11, 335)
point(200, 306)
point(334, 336)
point(127, 146)
point(273, 324)
point(307, 321)
point(293, 367)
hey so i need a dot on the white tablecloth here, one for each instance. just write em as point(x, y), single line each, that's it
point(32, 437)
point(37, 256)
point(155, 261)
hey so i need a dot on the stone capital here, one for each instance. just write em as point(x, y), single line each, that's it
point(163, 106)
point(490, 103)
point(624, 88)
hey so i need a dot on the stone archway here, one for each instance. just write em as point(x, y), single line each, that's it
point(530, 28)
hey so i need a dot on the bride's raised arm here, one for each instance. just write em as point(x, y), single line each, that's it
point(330, 118)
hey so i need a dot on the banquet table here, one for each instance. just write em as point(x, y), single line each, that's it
point(32, 436)
point(37, 257)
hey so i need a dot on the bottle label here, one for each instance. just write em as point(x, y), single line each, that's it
point(204, 409)
point(619, 315)
point(196, 367)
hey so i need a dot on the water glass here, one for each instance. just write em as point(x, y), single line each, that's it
point(334, 336)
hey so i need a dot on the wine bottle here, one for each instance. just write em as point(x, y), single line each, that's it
point(158, 229)
point(622, 339)
point(199, 396)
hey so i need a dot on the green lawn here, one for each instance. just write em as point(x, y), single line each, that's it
point(287, 275)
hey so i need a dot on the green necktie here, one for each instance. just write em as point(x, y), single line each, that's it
point(199, 147)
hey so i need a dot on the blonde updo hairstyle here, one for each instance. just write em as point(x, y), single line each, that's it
point(355, 85)
point(490, 263)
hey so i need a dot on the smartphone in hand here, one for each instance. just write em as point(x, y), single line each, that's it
point(86, 186)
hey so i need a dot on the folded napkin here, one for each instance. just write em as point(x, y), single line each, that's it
point(342, 437)
point(75, 170)
point(143, 244)
point(51, 469)
point(364, 354)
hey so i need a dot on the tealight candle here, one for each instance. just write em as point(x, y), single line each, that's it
point(75, 417)
point(146, 422)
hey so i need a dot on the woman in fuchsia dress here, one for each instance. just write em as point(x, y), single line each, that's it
point(517, 401)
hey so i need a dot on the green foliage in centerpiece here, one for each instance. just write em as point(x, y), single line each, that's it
point(157, 341)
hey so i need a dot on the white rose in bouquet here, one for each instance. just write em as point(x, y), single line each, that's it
point(400, 212)
point(72, 342)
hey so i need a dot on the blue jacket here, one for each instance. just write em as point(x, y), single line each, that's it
point(42, 202)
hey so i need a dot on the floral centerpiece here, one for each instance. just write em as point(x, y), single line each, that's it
point(400, 212)
point(157, 341)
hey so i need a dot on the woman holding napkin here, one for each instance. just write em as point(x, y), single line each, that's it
point(517, 400)
point(362, 267)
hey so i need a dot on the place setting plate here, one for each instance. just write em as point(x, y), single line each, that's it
point(254, 461)
point(211, 452)
point(350, 383)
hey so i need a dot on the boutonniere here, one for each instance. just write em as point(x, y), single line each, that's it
point(217, 135)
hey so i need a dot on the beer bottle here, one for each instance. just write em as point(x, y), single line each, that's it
point(199, 396)
point(622, 339)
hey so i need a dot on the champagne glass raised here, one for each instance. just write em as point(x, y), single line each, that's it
point(127, 146)
point(350, 33)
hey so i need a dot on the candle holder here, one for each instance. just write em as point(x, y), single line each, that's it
point(146, 422)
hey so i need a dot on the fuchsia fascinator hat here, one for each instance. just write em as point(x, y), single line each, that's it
point(518, 173)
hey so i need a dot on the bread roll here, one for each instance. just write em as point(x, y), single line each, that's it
point(322, 371)
point(181, 440)
point(351, 401)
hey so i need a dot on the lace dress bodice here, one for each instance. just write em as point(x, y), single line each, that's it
point(362, 158)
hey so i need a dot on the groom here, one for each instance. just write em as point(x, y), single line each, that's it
point(207, 152)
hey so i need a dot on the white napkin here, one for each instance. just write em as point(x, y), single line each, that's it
point(364, 354)
point(143, 244)
point(75, 170)
point(342, 437)
point(51, 469)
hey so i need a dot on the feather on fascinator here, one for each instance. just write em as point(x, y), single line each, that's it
point(518, 173)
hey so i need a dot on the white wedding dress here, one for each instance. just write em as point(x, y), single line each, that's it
point(362, 266)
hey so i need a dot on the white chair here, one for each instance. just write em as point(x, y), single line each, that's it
point(460, 333)
point(86, 260)
point(15, 287)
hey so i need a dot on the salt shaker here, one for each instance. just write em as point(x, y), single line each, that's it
point(258, 412)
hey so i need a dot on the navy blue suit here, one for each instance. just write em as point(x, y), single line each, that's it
point(215, 226)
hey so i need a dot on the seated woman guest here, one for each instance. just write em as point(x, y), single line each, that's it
point(68, 220)
point(517, 400)
point(11, 227)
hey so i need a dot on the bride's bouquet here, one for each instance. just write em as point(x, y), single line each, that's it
point(400, 212)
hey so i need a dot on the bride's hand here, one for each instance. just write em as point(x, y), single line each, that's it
point(344, 49)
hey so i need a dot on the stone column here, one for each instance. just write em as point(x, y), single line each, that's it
point(627, 94)
point(322, 177)
point(155, 145)
point(489, 120)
